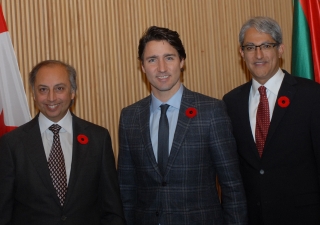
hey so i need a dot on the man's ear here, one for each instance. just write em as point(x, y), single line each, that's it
point(33, 95)
point(181, 64)
point(241, 53)
point(73, 94)
point(281, 50)
point(142, 67)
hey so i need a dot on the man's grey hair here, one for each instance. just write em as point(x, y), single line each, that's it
point(71, 72)
point(264, 25)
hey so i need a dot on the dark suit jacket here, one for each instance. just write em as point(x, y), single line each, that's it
point(27, 195)
point(282, 187)
point(203, 147)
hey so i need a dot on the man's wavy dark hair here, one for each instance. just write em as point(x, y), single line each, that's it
point(154, 33)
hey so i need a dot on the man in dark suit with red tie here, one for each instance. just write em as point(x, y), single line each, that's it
point(173, 145)
point(57, 168)
point(276, 123)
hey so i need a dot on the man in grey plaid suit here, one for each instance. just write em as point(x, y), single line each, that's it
point(201, 147)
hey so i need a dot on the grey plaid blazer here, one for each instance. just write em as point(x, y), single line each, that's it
point(203, 148)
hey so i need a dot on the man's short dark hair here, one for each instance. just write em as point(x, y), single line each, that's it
point(154, 33)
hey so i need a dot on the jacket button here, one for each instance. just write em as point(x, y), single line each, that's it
point(261, 172)
point(63, 218)
point(164, 183)
point(157, 213)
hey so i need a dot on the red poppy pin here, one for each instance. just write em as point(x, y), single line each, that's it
point(191, 112)
point(82, 139)
point(283, 102)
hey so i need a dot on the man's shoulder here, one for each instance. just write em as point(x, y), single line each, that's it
point(304, 82)
point(21, 133)
point(141, 103)
point(201, 102)
point(303, 85)
point(198, 96)
point(77, 121)
point(236, 91)
point(23, 128)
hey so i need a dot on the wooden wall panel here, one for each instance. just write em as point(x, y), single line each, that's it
point(100, 39)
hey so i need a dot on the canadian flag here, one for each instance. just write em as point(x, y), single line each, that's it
point(14, 110)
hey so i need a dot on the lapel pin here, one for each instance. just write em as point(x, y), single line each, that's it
point(283, 102)
point(191, 112)
point(82, 139)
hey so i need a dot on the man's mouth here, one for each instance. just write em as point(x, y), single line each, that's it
point(163, 77)
point(52, 106)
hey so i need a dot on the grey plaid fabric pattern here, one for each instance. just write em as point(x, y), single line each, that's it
point(202, 148)
point(57, 165)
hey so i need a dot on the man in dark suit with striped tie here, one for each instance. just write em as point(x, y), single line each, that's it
point(173, 145)
point(57, 168)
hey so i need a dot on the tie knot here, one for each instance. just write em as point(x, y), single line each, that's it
point(164, 108)
point(262, 90)
point(55, 128)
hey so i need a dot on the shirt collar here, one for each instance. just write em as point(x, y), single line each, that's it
point(174, 101)
point(65, 123)
point(273, 84)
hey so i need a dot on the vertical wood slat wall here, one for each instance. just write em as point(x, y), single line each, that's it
point(100, 39)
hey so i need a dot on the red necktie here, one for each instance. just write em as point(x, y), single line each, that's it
point(56, 164)
point(262, 120)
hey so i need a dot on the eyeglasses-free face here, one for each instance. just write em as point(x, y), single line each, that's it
point(162, 66)
point(52, 92)
point(261, 54)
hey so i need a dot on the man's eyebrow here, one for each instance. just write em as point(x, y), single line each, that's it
point(60, 84)
point(152, 56)
point(165, 55)
point(170, 54)
point(248, 43)
point(43, 85)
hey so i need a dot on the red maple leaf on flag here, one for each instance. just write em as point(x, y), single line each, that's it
point(3, 128)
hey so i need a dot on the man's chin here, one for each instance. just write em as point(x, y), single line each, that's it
point(54, 117)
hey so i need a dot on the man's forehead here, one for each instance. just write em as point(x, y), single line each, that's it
point(254, 33)
point(54, 85)
point(52, 79)
point(159, 48)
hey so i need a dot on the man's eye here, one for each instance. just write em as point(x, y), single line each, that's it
point(250, 47)
point(60, 88)
point(169, 58)
point(42, 89)
point(151, 60)
point(266, 46)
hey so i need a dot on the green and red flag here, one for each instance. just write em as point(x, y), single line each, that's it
point(306, 39)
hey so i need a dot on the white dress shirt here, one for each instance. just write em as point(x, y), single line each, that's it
point(272, 86)
point(65, 134)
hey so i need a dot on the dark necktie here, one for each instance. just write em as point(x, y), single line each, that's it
point(56, 164)
point(262, 120)
point(163, 139)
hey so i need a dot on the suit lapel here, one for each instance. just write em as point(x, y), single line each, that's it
point(79, 152)
point(144, 123)
point(243, 106)
point(34, 145)
point(183, 124)
point(287, 89)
